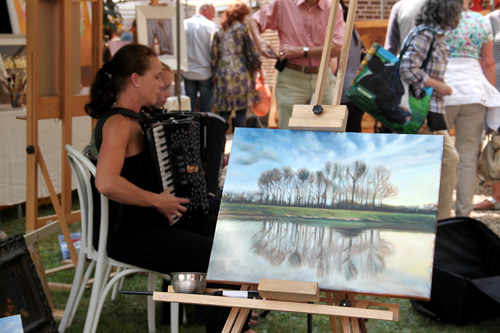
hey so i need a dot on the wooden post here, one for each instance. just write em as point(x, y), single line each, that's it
point(344, 54)
point(66, 92)
point(46, 99)
point(325, 56)
point(53, 92)
point(31, 120)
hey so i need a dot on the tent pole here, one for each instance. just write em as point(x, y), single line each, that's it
point(178, 83)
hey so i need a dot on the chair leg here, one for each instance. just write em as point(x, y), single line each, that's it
point(99, 282)
point(174, 317)
point(151, 303)
point(118, 286)
point(106, 276)
point(102, 296)
point(86, 278)
point(184, 317)
point(73, 295)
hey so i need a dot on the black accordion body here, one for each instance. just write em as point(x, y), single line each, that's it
point(212, 140)
point(175, 162)
point(178, 147)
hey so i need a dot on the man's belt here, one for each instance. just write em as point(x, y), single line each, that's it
point(303, 69)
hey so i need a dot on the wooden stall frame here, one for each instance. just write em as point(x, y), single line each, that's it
point(51, 45)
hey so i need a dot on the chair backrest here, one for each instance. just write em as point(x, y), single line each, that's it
point(82, 168)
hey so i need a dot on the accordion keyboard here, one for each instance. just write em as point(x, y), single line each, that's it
point(165, 168)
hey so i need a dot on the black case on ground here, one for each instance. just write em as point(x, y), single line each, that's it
point(466, 277)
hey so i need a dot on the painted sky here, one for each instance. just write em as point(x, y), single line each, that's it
point(414, 160)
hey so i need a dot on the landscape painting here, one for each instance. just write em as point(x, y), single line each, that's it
point(355, 212)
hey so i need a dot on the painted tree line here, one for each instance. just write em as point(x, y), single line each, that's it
point(355, 185)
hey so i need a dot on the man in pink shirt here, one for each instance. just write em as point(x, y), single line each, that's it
point(301, 25)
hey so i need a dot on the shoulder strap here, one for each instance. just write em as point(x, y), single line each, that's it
point(97, 137)
point(429, 52)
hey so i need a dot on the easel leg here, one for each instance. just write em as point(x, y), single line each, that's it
point(57, 207)
point(346, 327)
point(37, 261)
point(333, 324)
point(240, 320)
point(237, 317)
point(230, 320)
point(362, 325)
point(358, 325)
point(333, 319)
point(356, 322)
point(235, 320)
point(346, 324)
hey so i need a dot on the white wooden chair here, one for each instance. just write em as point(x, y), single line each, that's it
point(82, 168)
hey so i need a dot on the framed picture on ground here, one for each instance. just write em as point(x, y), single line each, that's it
point(354, 212)
point(157, 28)
point(21, 292)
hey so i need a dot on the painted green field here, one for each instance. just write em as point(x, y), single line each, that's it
point(339, 217)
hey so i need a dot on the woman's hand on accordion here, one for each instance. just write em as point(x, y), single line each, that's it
point(171, 205)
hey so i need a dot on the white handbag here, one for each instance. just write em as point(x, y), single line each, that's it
point(490, 159)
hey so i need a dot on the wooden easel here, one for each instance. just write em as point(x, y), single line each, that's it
point(53, 41)
point(290, 296)
point(332, 118)
point(345, 311)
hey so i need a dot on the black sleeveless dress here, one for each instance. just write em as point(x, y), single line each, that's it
point(142, 236)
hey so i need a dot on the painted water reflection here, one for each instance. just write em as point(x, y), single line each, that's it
point(377, 261)
point(351, 253)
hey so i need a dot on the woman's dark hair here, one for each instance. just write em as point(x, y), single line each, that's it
point(444, 13)
point(235, 12)
point(110, 78)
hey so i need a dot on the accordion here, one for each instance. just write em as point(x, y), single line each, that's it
point(212, 140)
point(178, 148)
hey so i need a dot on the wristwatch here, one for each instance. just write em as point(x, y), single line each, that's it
point(305, 49)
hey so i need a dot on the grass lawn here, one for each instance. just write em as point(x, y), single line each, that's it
point(128, 312)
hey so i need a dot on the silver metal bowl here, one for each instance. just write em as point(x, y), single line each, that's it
point(189, 283)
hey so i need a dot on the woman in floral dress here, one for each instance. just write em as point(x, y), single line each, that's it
point(471, 75)
point(234, 83)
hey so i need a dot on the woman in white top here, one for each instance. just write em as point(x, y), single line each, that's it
point(471, 75)
point(493, 202)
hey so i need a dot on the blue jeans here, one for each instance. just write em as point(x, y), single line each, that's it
point(206, 89)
